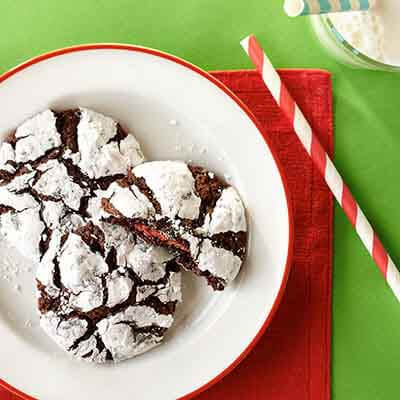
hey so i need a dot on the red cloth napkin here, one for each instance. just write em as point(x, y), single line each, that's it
point(292, 359)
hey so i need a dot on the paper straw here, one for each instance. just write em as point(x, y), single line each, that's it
point(296, 8)
point(323, 163)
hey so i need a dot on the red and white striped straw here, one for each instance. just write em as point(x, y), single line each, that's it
point(323, 163)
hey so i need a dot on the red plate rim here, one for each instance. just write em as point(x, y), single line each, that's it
point(115, 46)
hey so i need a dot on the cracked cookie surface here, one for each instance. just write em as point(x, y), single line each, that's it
point(50, 168)
point(105, 295)
point(110, 232)
point(185, 209)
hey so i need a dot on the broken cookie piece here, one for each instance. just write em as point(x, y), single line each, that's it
point(186, 210)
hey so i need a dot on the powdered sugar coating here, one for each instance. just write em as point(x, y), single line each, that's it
point(45, 273)
point(228, 214)
point(80, 272)
point(171, 292)
point(23, 228)
point(148, 261)
point(190, 204)
point(164, 293)
point(64, 333)
point(143, 292)
point(52, 212)
point(122, 341)
point(56, 183)
point(20, 221)
point(91, 276)
point(18, 202)
point(90, 346)
point(98, 156)
point(7, 154)
point(37, 172)
point(21, 182)
point(36, 136)
point(172, 185)
point(119, 288)
point(220, 262)
point(194, 243)
point(129, 201)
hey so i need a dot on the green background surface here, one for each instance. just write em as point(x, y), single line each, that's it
point(366, 316)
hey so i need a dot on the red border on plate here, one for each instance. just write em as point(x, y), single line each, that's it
point(105, 46)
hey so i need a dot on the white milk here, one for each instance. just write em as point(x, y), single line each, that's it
point(375, 33)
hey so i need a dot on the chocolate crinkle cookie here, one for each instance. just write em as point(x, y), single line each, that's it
point(50, 168)
point(110, 232)
point(105, 295)
point(184, 209)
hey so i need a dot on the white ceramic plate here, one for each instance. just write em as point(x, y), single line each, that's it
point(148, 91)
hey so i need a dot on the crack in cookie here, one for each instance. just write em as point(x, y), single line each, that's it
point(185, 209)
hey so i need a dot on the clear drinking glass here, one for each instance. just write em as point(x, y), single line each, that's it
point(336, 45)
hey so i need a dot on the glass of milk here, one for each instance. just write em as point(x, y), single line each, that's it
point(367, 39)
